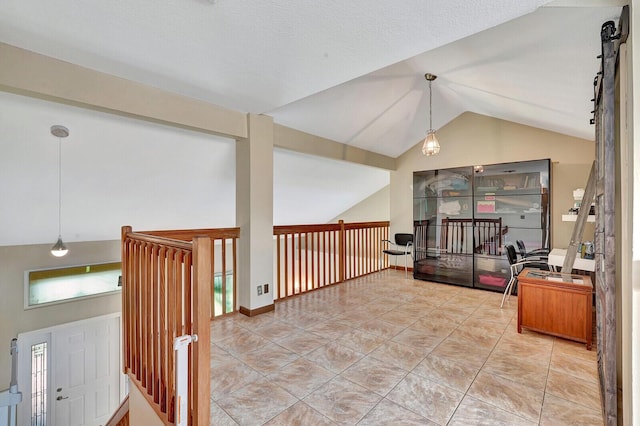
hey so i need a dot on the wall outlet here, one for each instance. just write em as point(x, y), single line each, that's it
point(266, 288)
point(259, 290)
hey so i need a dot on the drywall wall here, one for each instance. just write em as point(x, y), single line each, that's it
point(140, 412)
point(473, 139)
point(372, 209)
point(14, 319)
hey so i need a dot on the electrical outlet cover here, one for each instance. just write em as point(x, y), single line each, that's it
point(259, 290)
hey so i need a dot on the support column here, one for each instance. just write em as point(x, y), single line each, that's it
point(254, 215)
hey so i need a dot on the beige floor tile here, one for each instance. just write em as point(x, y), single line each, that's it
point(512, 367)
point(389, 413)
point(575, 349)
point(332, 329)
point(446, 372)
point(419, 339)
point(374, 375)
point(302, 342)
point(472, 411)
point(222, 328)
point(559, 412)
point(242, 341)
point(461, 352)
point(334, 356)
point(470, 337)
point(507, 395)
point(360, 341)
point(299, 414)
point(586, 369)
point(399, 317)
point(343, 401)
point(220, 417)
point(275, 330)
point(571, 388)
point(255, 321)
point(257, 402)
point(268, 358)
point(229, 377)
point(381, 328)
point(301, 377)
point(396, 354)
point(429, 399)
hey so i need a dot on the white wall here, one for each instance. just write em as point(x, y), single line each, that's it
point(372, 209)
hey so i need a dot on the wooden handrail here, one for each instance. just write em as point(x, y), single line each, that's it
point(188, 234)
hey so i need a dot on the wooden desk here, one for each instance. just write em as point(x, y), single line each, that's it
point(556, 304)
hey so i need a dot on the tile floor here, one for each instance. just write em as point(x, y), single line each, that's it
point(386, 350)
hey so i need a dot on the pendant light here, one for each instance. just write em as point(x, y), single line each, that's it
point(59, 249)
point(430, 146)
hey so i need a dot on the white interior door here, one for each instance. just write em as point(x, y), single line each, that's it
point(82, 381)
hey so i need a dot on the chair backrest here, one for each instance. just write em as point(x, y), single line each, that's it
point(521, 247)
point(403, 239)
point(512, 256)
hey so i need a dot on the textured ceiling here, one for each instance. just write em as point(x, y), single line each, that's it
point(350, 71)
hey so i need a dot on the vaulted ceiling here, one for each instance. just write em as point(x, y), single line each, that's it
point(349, 71)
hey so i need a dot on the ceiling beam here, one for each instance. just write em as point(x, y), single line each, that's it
point(27, 73)
point(296, 140)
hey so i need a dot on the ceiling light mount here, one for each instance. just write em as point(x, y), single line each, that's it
point(59, 131)
point(431, 146)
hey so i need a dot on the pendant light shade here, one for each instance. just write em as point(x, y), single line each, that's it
point(59, 249)
point(431, 146)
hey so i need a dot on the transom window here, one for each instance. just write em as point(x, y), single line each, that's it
point(64, 284)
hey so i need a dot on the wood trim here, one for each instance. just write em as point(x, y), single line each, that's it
point(253, 312)
point(121, 415)
point(401, 268)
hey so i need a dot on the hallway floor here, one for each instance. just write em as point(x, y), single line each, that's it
point(385, 350)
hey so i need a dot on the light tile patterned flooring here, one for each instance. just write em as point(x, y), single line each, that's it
point(385, 350)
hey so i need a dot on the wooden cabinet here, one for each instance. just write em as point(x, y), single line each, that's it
point(464, 216)
point(556, 304)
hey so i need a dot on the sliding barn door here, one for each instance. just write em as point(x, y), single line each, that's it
point(606, 111)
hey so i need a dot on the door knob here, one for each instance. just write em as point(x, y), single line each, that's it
point(61, 398)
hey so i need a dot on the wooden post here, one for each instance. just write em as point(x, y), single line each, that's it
point(126, 320)
point(202, 279)
point(342, 253)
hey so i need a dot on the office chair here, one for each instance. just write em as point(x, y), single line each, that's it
point(401, 247)
point(516, 267)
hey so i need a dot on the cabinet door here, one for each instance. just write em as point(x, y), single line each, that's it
point(443, 217)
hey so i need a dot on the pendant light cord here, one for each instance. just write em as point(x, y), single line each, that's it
point(430, 118)
point(59, 187)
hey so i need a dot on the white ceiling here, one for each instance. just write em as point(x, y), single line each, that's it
point(350, 71)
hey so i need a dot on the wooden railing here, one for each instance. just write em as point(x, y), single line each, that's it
point(309, 257)
point(224, 263)
point(167, 292)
